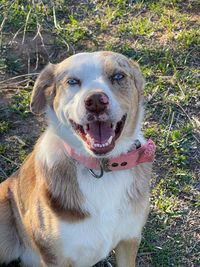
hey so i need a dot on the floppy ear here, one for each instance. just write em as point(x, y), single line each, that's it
point(44, 89)
point(137, 76)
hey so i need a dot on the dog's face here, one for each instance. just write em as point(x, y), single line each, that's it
point(95, 96)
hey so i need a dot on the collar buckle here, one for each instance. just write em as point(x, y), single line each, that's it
point(105, 165)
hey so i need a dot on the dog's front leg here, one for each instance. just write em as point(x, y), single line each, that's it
point(126, 252)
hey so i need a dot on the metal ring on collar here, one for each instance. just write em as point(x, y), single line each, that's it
point(101, 170)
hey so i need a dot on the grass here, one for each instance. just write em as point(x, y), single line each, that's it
point(20, 103)
point(163, 37)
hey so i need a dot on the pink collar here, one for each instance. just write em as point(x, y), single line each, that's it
point(123, 162)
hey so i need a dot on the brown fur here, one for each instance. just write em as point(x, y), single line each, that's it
point(9, 240)
point(44, 90)
point(29, 199)
point(62, 193)
point(128, 91)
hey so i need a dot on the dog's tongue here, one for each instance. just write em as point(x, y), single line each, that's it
point(100, 132)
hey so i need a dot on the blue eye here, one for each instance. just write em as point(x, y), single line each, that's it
point(118, 76)
point(73, 81)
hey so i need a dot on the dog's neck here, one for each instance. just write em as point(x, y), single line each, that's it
point(139, 155)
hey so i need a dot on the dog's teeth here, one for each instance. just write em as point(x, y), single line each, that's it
point(110, 139)
point(101, 145)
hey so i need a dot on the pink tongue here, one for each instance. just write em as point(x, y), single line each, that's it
point(100, 132)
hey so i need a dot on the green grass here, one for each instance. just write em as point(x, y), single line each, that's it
point(163, 37)
point(20, 103)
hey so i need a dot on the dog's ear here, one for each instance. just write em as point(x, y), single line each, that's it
point(44, 89)
point(137, 76)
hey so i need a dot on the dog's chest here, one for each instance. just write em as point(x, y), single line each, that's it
point(112, 218)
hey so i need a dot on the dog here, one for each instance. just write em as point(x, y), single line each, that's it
point(84, 190)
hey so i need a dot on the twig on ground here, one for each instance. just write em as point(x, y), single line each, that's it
point(37, 57)
point(198, 141)
point(168, 119)
point(154, 92)
point(45, 9)
point(38, 29)
point(186, 58)
point(186, 114)
point(192, 122)
point(172, 119)
point(19, 140)
point(64, 41)
point(26, 23)
point(15, 88)
point(54, 17)
point(180, 87)
point(1, 170)
point(22, 81)
point(19, 76)
point(15, 35)
point(11, 161)
point(139, 13)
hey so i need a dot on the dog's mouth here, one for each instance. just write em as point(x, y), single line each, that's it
point(100, 136)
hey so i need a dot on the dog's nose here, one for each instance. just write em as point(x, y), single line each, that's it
point(96, 102)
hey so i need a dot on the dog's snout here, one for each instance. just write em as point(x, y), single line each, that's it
point(96, 102)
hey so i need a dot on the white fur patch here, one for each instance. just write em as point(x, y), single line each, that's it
point(112, 218)
point(30, 258)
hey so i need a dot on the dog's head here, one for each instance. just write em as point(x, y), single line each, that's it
point(95, 97)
